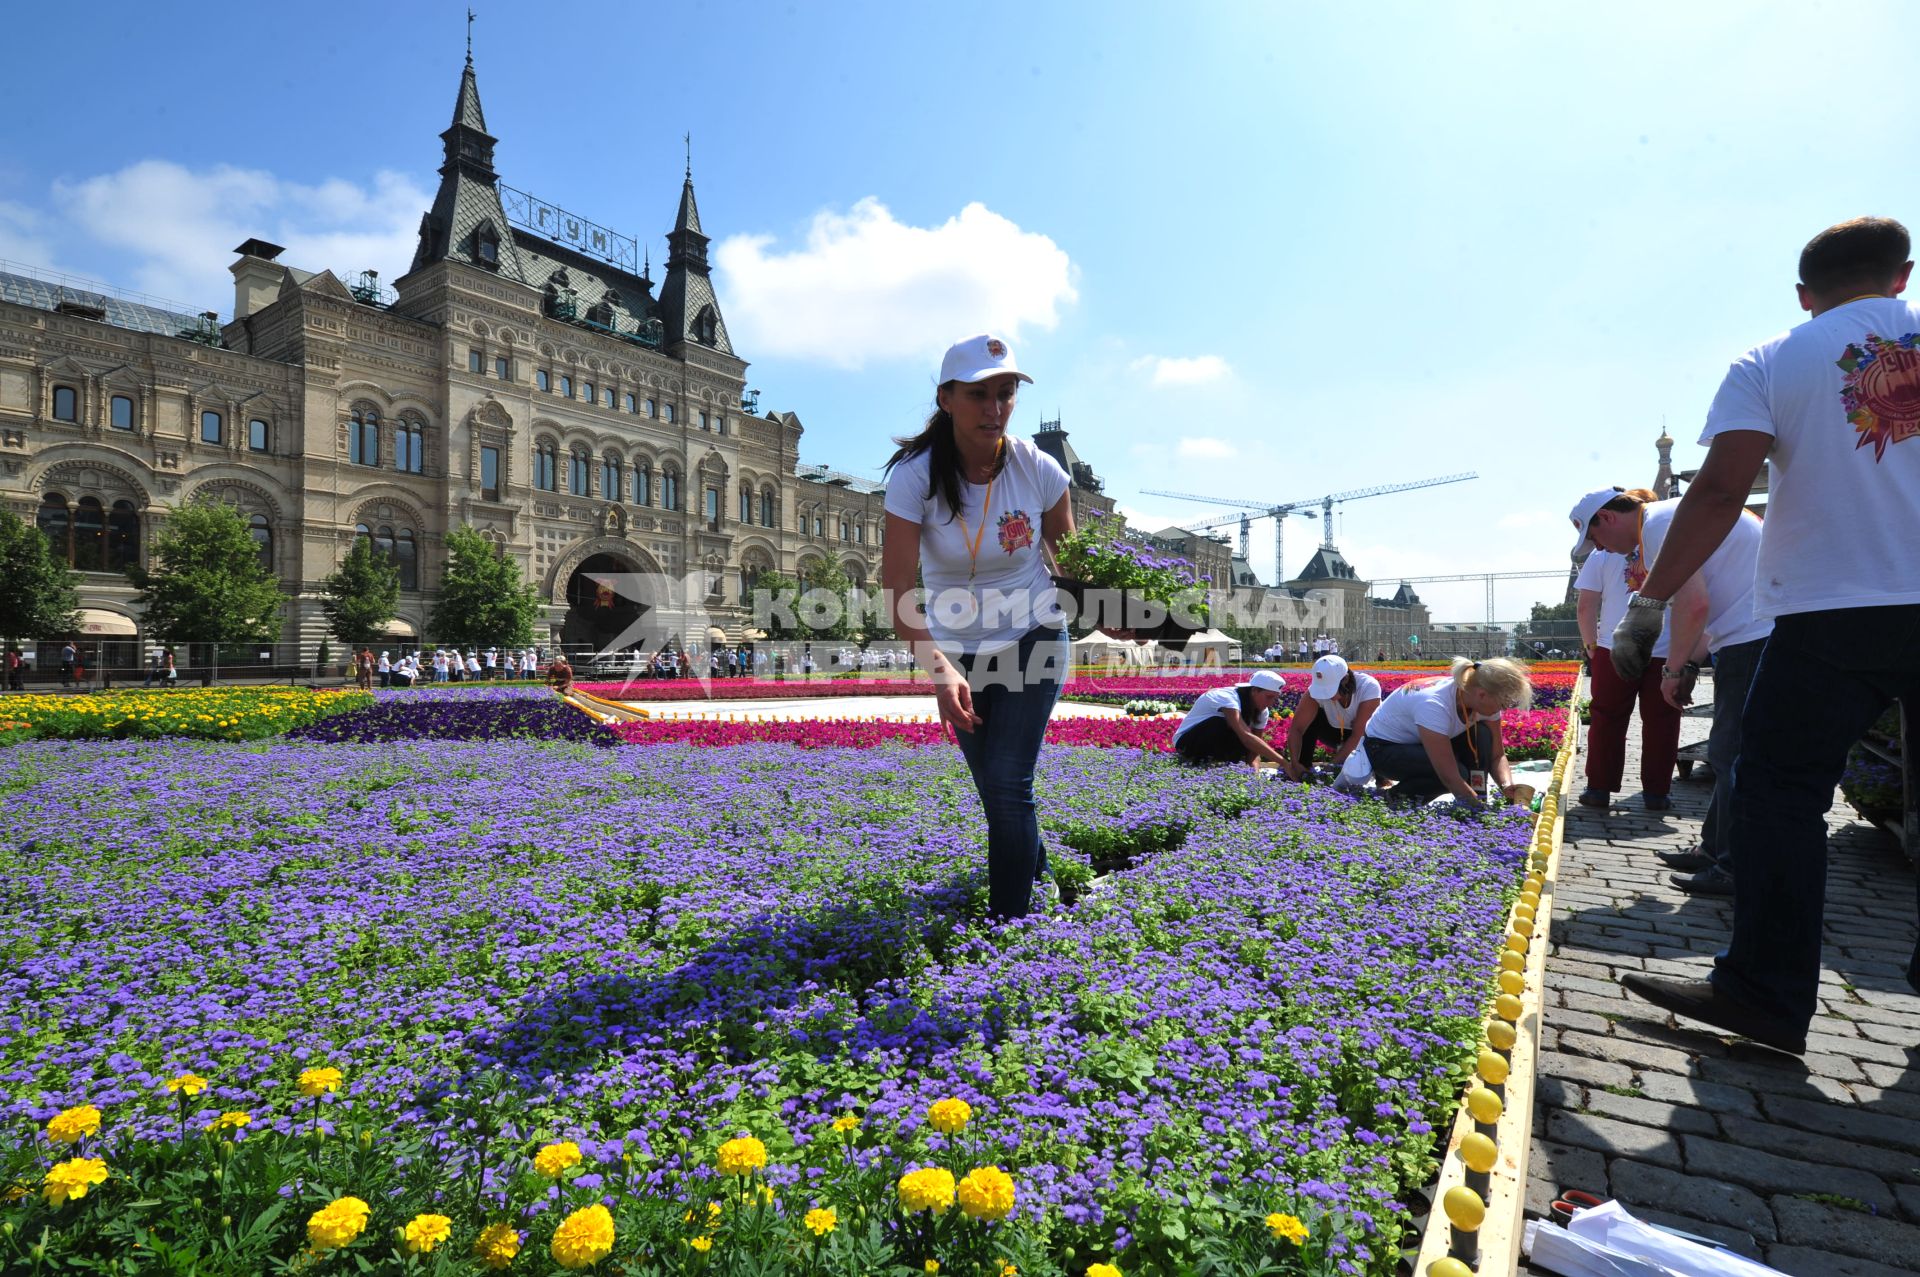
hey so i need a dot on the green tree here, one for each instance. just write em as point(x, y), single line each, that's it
point(362, 595)
point(206, 583)
point(483, 601)
point(38, 592)
point(780, 593)
point(1552, 625)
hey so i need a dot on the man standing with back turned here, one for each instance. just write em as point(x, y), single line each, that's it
point(1835, 404)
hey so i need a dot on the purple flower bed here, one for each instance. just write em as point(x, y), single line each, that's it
point(478, 715)
point(1272, 1008)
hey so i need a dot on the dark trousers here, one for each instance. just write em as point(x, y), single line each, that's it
point(1822, 680)
point(1014, 691)
point(1212, 741)
point(1408, 762)
point(1613, 701)
point(1320, 732)
point(1733, 670)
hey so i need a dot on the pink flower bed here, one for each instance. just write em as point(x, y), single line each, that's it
point(753, 689)
point(819, 733)
point(1529, 733)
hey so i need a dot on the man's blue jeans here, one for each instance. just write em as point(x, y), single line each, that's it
point(1733, 670)
point(1013, 693)
point(1823, 680)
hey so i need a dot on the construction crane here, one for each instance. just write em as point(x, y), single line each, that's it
point(1251, 510)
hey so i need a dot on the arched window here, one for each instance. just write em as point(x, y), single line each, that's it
point(577, 473)
point(263, 537)
point(607, 397)
point(409, 446)
point(652, 408)
point(66, 403)
point(120, 412)
point(746, 504)
point(363, 437)
point(667, 412)
point(89, 535)
point(566, 386)
point(819, 526)
point(629, 404)
point(258, 435)
point(209, 427)
point(546, 468)
point(586, 391)
point(361, 532)
point(407, 559)
point(610, 477)
point(56, 522)
point(859, 533)
point(669, 490)
point(383, 541)
point(844, 535)
point(543, 379)
point(642, 484)
point(766, 507)
point(123, 536)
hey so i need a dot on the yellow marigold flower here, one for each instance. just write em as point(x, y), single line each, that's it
point(319, 1081)
point(1102, 1270)
point(191, 1083)
point(846, 1122)
point(713, 1215)
point(932, 1265)
point(929, 1188)
point(496, 1245)
point(337, 1223)
point(583, 1239)
point(702, 1244)
point(821, 1220)
point(69, 1126)
point(986, 1192)
point(14, 1192)
point(424, 1232)
point(1287, 1228)
point(1008, 1270)
point(949, 1116)
point(556, 1159)
point(72, 1178)
point(743, 1156)
point(232, 1120)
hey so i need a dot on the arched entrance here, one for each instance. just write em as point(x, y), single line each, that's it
point(608, 601)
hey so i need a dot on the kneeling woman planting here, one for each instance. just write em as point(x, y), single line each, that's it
point(1443, 734)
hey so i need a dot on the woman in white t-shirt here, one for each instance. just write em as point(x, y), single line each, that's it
point(1333, 713)
point(1435, 734)
point(1225, 723)
point(977, 512)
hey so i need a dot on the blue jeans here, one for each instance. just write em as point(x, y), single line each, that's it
point(1823, 680)
point(1407, 761)
point(1733, 670)
point(1013, 693)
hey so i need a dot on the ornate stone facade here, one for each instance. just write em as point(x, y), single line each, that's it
point(510, 381)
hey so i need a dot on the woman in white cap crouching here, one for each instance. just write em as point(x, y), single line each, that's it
point(1443, 734)
point(1224, 724)
point(1333, 713)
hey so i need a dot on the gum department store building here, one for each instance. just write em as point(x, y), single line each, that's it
point(526, 376)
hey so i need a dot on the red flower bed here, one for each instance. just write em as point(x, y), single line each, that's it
point(753, 689)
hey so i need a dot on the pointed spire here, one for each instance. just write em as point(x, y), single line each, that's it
point(466, 111)
point(687, 302)
point(467, 222)
point(688, 218)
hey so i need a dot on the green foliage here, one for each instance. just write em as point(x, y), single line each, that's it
point(1551, 625)
point(38, 592)
point(483, 601)
point(206, 583)
point(819, 607)
point(361, 595)
point(1106, 554)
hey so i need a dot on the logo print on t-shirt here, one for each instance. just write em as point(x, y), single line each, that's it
point(1881, 390)
point(1015, 530)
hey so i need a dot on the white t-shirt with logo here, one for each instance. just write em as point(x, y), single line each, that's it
point(1365, 688)
point(1011, 591)
point(1605, 573)
point(1840, 394)
point(1430, 703)
point(1727, 574)
point(1211, 704)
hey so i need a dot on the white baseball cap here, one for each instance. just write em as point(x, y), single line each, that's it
point(1327, 673)
point(1583, 511)
point(978, 358)
point(1268, 681)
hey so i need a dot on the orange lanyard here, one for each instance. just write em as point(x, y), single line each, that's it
point(1636, 571)
point(986, 509)
point(1467, 718)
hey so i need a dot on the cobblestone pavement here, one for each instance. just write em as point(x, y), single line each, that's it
point(1810, 1164)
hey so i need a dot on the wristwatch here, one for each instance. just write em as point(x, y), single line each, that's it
point(1691, 667)
point(1652, 605)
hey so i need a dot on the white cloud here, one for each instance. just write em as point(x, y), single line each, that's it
point(181, 225)
point(23, 236)
point(866, 286)
point(1203, 448)
point(1196, 370)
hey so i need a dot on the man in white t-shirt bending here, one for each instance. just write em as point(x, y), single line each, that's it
point(1604, 582)
point(1834, 404)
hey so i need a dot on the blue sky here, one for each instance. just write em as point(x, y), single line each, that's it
point(1264, 251)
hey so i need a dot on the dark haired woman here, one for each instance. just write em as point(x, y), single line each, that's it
point(1333, 713)
point(977, 513)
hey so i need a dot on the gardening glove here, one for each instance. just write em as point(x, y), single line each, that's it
point(1634, 637)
